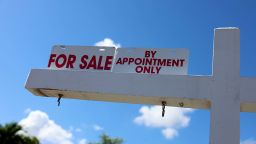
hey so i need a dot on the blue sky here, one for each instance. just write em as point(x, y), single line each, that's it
point(29, 28)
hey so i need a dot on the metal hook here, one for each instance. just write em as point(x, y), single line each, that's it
point(59, 98)
point(163, 108)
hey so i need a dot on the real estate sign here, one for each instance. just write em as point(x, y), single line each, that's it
point(120, 60)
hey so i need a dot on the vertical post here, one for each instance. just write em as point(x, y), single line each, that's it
point(225, 105)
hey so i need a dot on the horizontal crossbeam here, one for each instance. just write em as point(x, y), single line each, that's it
point(193, 91)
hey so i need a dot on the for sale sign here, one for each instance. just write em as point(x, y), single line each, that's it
point(121, 60)
point(86, 58)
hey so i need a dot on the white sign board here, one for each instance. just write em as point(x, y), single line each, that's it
point(151, 61)
point(121, 60)
point(81, 58)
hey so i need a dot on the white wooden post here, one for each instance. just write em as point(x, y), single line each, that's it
point(225, 106)
point(224, 93)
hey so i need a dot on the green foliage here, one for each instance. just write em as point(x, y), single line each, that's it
point(9, 134)
point(105, 139)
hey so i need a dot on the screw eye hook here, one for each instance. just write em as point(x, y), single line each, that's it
point(59, 98)
point(163, 108)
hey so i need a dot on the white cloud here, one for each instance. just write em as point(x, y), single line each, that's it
point(108, 42)
point(98, 128)
point(38, 124)
point(83, 141)
point(169, 133)
point(248, 141)
point(174, 119)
